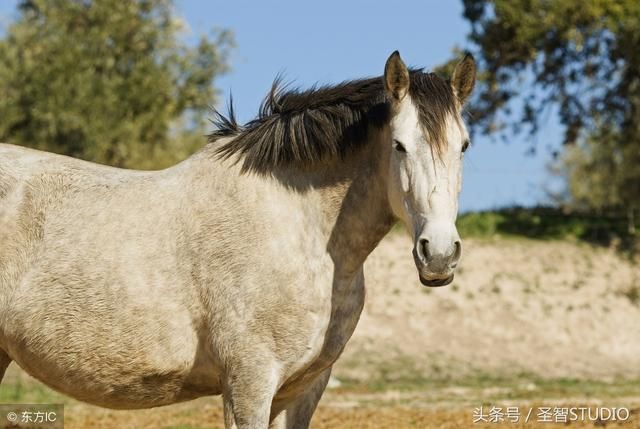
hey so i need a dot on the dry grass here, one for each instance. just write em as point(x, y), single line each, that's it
point(207, 414)
point(427, 405)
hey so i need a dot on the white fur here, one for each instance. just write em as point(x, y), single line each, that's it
point(424, 187)
point(132, 289)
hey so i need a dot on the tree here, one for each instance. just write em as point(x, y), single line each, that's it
point(580, 56)
point(106, 80)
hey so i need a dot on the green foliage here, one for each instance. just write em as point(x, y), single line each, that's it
point(480, 224)
point(107, 81)
point(544, 223)
point(604, 175)
point(581, 56)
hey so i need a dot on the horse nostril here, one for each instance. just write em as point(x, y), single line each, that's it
point(458, 251)
point(423, 246)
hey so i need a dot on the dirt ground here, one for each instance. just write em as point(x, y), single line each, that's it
point(525, 324)
point(554, 309)
point(207, 414)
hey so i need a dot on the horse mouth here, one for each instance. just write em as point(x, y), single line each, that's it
point(436, 282)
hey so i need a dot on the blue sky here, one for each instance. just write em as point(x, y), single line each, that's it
point(332, 40)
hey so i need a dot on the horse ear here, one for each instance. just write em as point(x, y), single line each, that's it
point(396, 77)
point(464, 78)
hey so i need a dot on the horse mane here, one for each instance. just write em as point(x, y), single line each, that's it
point(303, 127)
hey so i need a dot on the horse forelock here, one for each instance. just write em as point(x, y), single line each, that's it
point(436, 104)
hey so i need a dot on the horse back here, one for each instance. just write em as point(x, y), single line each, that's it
point(17, 165)
point(31, 182)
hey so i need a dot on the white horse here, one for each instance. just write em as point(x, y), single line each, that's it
point(238, 271)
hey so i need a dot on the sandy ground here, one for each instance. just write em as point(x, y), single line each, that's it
point(552, 309)
point(518, 313)
point(203, 414)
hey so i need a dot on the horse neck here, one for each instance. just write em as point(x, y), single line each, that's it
point(353, 200)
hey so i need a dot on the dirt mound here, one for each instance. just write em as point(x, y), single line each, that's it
point(546, 308)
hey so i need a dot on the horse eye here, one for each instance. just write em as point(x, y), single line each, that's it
point(399, 146)
point(465, 145)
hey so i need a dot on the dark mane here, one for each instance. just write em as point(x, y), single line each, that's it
point(304, 127)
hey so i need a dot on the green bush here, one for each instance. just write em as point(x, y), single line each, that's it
point(545, 223)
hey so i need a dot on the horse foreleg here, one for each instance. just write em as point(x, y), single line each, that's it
point(248, 395)
point(5, 360)
point(297, 415)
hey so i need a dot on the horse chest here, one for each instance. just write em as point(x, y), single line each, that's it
point(345, 313)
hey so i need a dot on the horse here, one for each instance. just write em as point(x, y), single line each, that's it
point(238, 271)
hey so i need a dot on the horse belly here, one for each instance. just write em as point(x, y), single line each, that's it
point(122, 376)
point(147, 387)
point(114, 354)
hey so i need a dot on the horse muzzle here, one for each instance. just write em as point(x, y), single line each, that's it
point(436, 282)
point(435, 268)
